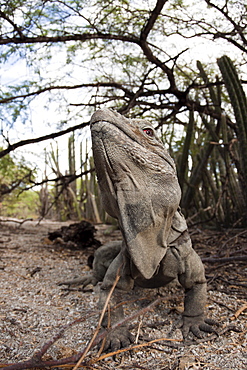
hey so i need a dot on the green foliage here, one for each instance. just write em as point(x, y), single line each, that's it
point(15, 176)
point(14, 171)
point(22, 206)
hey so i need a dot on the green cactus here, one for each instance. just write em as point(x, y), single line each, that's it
point(214, 94)
point(239, 105)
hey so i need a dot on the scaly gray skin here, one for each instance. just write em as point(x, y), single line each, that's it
point(139, 187)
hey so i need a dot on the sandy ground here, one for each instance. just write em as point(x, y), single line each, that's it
point(34, 308)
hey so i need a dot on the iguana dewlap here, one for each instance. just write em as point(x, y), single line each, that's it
point(139, 186)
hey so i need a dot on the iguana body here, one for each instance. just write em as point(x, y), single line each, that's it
point(139, 187)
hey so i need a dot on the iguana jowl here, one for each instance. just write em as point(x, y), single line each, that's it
point(139, 187)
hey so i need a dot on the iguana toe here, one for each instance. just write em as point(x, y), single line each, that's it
point(119, 338)
point(197, 325)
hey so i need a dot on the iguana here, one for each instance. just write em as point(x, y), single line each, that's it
point(139, 186)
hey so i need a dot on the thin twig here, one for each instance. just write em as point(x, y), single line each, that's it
point(239, 311)
point(20, 222)
point(233, 237)
point(224, 259)
point(136, 346)
point(90, 344)
point(138, 330)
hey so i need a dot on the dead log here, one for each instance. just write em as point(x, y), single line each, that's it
point(79, 235)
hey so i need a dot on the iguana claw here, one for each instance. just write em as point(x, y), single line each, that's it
point(119, 338)
point(197, 325)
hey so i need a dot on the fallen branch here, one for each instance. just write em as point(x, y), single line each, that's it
point(224, 259)
point(39, 354)
point(230, 239)
point(20, 222)
point(36, 360)
point(239, 311)
point(99, 322)
point(131, 348)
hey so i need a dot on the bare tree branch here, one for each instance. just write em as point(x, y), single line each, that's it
point(236, 26)
point(65, 38)
point(152, 19)
point(66, 179)
point(16, 28)
point(14, 185)
point(68, 87)
point(14, 146)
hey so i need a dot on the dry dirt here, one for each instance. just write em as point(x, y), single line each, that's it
point(34, 308)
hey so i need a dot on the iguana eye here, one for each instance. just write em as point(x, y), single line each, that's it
point(148, 131)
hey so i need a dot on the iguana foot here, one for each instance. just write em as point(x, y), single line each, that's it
point(197, 325)
point(118, 338)
point(84, 281)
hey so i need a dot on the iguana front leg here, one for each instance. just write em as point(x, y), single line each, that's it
point(193, 316)
point(120, 336)
point(103, 257)
point(194, 282)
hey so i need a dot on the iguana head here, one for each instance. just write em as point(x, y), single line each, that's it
point(138, 183)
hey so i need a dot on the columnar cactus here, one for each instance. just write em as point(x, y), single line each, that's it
point(239, 104)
